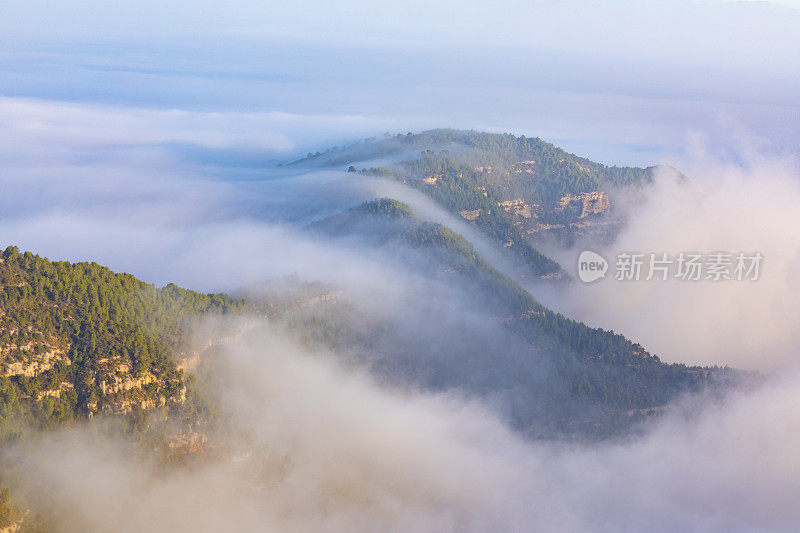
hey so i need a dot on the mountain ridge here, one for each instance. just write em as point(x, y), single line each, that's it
point(599, 369)
point(521, 192)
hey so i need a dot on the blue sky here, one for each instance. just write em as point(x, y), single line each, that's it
point(622, 82)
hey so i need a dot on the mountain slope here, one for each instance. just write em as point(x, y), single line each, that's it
point(551, 375)
point(550, 170)
point(518, 191)
point(76, 339)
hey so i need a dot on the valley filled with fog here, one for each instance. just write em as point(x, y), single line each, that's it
point(264, 286)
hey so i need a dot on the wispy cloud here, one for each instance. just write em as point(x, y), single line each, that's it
point(746, 207)
point(316, 446)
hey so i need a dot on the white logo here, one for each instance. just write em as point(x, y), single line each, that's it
point(591, 266)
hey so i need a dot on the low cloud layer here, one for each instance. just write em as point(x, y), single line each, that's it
point(146, 192)
point(322, 447)
point(77, 131)
point(747, 208)
point(119, 186)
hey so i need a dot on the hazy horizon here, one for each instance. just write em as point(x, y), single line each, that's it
point(622, 83)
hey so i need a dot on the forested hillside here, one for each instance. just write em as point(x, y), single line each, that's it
point(552, 171)
point(76, 339)
point(558, 376)
point(517, 190)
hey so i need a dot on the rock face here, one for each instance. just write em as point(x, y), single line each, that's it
point(26, 362)
point(76, 339)
point(470, 214)
point(517, 207)
point(586, 204)
point(595, 203)
point(46, 360)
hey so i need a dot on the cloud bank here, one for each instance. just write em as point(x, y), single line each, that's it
point(322, 447)
point(749, 207)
